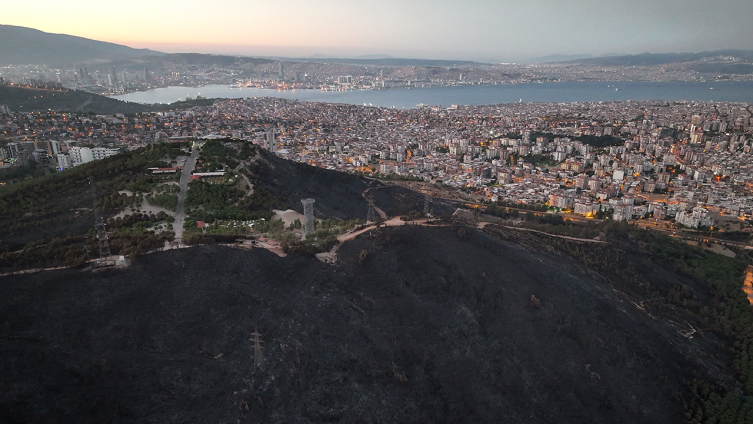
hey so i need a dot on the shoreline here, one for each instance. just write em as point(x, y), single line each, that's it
point(469, 95)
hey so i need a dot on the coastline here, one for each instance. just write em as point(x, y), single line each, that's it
point(475, 95)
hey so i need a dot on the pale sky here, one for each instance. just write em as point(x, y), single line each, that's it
point(440, 29)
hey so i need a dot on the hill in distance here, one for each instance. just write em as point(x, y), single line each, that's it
point(24, 99)
point(694, 60)
point(28, 46)
point(388, 61)
point(558, 58)
point(200, 59)
point(650, 59)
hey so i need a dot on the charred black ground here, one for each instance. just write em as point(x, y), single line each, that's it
point(338, 195)
point(429, 325)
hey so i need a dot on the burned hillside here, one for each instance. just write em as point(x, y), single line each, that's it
point(413, 324)
point(338, 195)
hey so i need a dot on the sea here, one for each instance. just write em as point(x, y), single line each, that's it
point(406, 98)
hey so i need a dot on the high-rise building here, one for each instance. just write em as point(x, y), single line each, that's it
point(29, 146)
point(271, 143)
point(104, 152)
point(40, 156)
point(53, 147)
point(80, 155)
point(280, 71)
point(146, 75)
point(14, 149)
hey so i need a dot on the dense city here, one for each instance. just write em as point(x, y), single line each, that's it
point(344, 74)
point(688, 162)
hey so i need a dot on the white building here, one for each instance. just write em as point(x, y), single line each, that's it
point(104, 152)
point(697, 217)
point(81, 155)
point(585, 208)
point(623, 212)
point(64, 161)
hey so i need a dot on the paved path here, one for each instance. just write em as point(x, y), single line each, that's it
point(185, 176)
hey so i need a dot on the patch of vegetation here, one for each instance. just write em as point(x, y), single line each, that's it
point(200, 238)
point(320, 240)
point(120, 172)
point(508, 208)
point(208, 202)
point(267, 226)
point(164, 200)
point(32, 99)
point(57, 206)
point(600, 141)
point(136, 234)
point(15, 174)
point(224, 154)
point(57, 251)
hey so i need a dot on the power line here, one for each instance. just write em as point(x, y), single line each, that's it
point(371, 214)
point(257, 348)
point(99, 225)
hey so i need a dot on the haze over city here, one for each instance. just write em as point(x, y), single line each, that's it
point(447, 29)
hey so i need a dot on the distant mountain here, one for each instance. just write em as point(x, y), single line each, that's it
point(557, 58)
point(374, 56)
point(201, 59)
point(650, 59)
point(387, 61)
point(22, 45)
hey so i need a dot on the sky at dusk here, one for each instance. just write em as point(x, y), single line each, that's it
point(440, 29)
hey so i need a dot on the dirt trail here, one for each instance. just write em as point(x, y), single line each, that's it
point(87, 102)
point(331, 255)
point(547, 234)
point(245, 178)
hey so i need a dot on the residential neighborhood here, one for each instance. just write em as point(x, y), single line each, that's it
point(688, 162)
